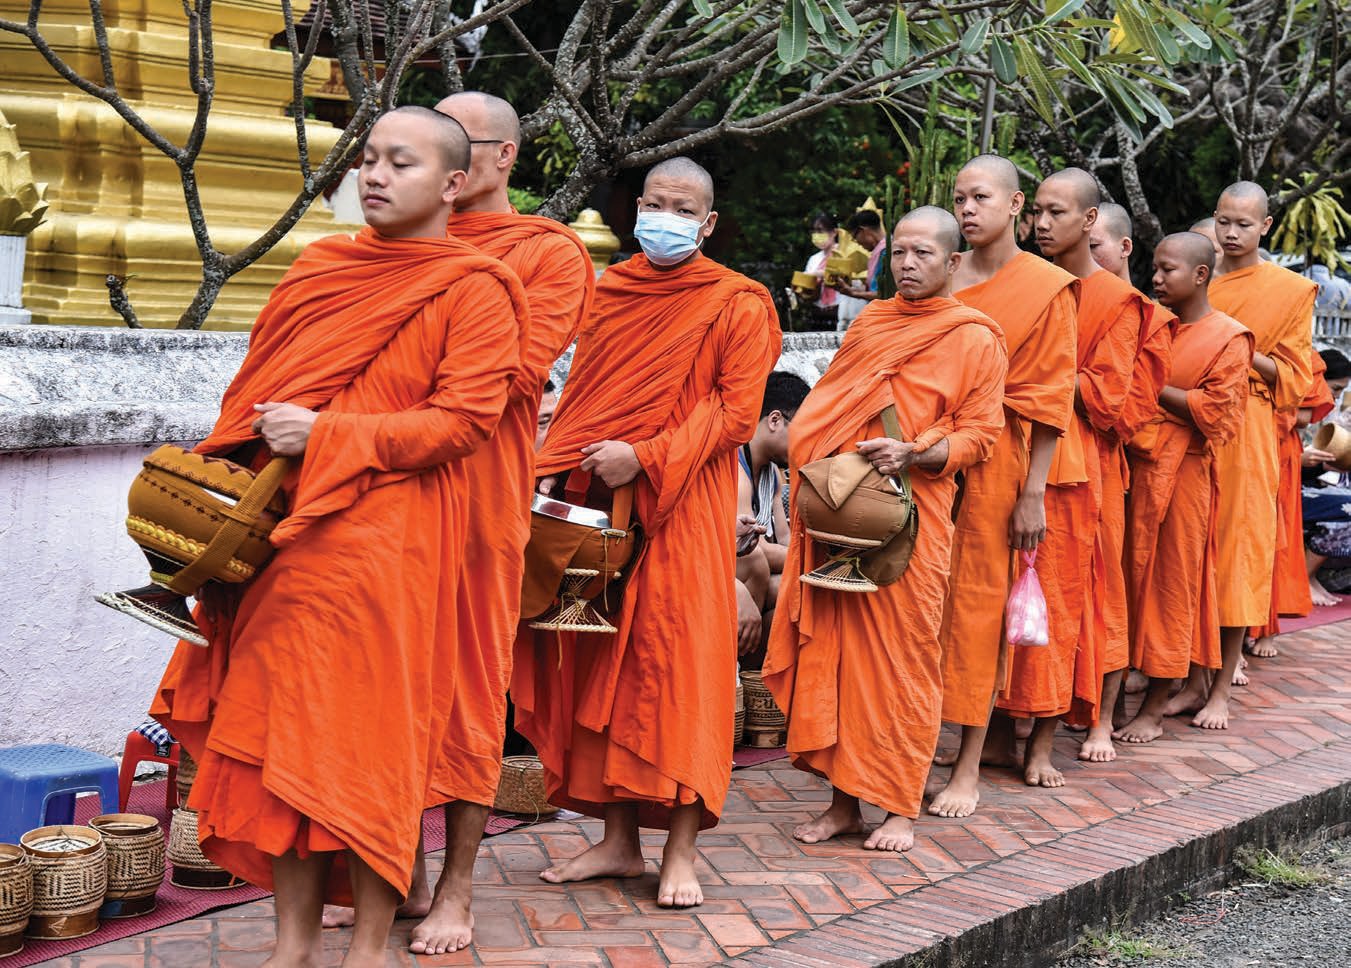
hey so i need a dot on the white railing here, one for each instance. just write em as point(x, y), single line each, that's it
point(1332, 323)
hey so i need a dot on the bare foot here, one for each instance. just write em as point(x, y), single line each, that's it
point(1098, 746)
point(1264, 648)
point(1038, 771)
point(945, 759)
point(1214, 715)
point(356, 959)
point(301, 961)
point(894, 833)
point(418, 904)
point(605, 859)
point(678, 886)
point(337, 916)
point(832, 822)
point(448, 927)
point(1144, 728)
point(1241, 672)
point(957, 799)
point(1136, 681)
point(1321, 596)
point(1000, 754)
point(1189, 700)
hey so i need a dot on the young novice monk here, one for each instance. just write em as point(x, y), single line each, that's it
point(858, 675)
point(1175, 484)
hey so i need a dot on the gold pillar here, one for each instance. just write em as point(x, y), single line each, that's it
point(600, 242)
point(116, 201)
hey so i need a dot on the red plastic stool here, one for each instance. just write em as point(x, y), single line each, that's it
point(141, 750)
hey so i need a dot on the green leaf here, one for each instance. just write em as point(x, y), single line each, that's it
point(896, 42)
point(1167, 44)
point(915, 80)
point(793, 33)
point(1057, 12)
point(1002, 60)
point(833, 42)
point(1153, 105)
point(1193, 33)
point(843, 15)
point(1035, 78)
point(814, 16)
point(703, 8)
point(1072, 61)
point(974, 37)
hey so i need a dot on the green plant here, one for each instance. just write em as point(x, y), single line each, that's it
point(1314, 225)
point(525, 201)
point(1116, 945)
point(1282, 869)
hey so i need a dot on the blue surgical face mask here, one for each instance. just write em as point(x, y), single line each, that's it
point(667, 238)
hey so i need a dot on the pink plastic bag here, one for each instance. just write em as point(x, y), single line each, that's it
point(1025, 620)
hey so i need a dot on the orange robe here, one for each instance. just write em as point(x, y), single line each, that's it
point(1290, 576)
point(1079, 563)
point(1033, 302)
point(316, 711)
point(1277, 306)
point(553, 265)
point(858, 675)
point(674, 362)
point(1174, 505)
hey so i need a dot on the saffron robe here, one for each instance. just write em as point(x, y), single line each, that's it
point(316, 712)
point(1174, 502)
point(858, 675)
point(1290, 594)
point(555, 269)
point(1277, 306)
point(1079, 563)
point(674, 362)
point(1034, 304)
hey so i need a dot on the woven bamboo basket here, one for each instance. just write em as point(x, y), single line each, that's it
point(739, 718)
point(521, 788)
point(16, 897)
point(187, 773)
point(135, 846)
point(766, 725)
point(70, 877)
point(191, 867)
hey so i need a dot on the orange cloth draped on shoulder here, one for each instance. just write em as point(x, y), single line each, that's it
point(1153, 364)
point(674, 362)
point(1034, 304)
point(1277, 306)
point(1079, 563)
point(407, 349)
point(555, 269)
point(1290, 577)
point(1174, 505)
point(859, 675)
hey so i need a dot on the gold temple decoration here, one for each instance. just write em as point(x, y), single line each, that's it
point(848, 263)
point(23, 202)
point(600, 242)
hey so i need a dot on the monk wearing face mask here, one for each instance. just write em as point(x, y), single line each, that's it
point(636, 726)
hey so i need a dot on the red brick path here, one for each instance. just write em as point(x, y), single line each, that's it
point(765, 888)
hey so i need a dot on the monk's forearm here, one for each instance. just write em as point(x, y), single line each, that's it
point(1041, 450)
point(1175, 402)
point(1303, 417)
point(934, 458)
point(1266, 368)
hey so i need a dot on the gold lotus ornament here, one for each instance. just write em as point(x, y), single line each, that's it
point(23, 202)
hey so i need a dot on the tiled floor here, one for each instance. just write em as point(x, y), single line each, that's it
point(762, 886)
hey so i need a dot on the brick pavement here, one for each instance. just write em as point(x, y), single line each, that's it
point(773, 901)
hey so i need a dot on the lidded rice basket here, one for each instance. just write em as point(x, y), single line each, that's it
point(192, 869)
point(739, 717)
point(521, 788)
point(185, 776)
point(70, 877)
point(16, 897)
point(766, 725)
point(135, 845)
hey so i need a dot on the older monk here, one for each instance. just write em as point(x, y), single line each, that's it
point(670, 369)
point(867, 718)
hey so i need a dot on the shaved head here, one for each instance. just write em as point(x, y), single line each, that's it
point(1205, 225)
point(1000, 170)
point(1193, 248)
point(687, 171)
point(935, 222)
point(486, 115)
point(449, 136)
point(1115, 220)
point(1082, 186)
point(1249, 193)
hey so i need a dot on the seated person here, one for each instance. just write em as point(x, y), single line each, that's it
point(759, 487)
point(1326, 495)
point(548, 403)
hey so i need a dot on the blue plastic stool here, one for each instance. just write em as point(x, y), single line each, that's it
point(38, 785)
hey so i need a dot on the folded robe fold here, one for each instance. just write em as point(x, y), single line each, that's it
point(673, 362)
point(407, 348)
point(858, 675)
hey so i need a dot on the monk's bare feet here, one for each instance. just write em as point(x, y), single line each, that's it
point(835, 820)
point(894, 833)
point(356, 959)
point(957, 799)
point(1264, 648)
point(945, 759)
point(1189, 700)
point(1241, 672)
point(609, 858)
point(337, 916)
point(1144, 728)
point(447, 927)
point(418, 904)
point(1321, 596)
point(1098, 746)
point(300, 961)
point(997, 751)
point(1136, 681)
point(678, 885)
point(1039, 772)
point(1214, 714)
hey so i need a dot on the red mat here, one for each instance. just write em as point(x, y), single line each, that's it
point(1322, 615)
point(744, 756)
point(177, 903)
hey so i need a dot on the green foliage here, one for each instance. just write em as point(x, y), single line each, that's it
point(1116, 947)
point(1314, 226)
point(1282, 869)
point(525, 201)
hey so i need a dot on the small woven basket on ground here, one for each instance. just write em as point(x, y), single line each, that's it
point(521, 788)
point(70, 877)
point(187, 773)
point(191, 867)
point(135, 845)
point(739, 717)
point(766, 725)
point(16, 897)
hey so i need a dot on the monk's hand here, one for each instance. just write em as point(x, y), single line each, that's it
point(1313, 457)
point(748, 532)
point(545, 485)
point(613, 461)
point(1027, 523)
point(747, 621)
point(284, 427)
point(888, 456)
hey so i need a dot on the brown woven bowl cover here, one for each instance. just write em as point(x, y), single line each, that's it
point(68, 881)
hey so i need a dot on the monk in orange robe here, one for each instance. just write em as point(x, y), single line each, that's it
point(1175, 495)
point(858, 675)
point(1082, 576)
point(1291, 595)
point(1002, 510)
point(666, 384)
point(379, 364)
point(1277, 306)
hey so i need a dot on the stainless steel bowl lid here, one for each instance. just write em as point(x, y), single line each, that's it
point(563, 511)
